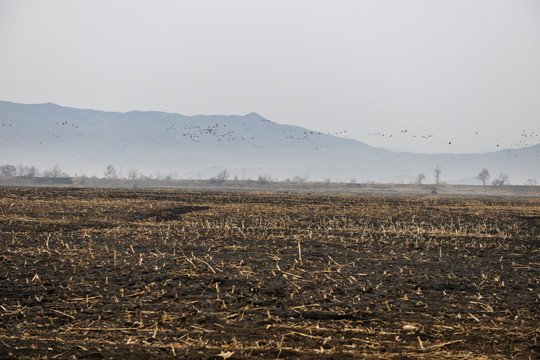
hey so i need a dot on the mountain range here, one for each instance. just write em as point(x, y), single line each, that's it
point(83, 141)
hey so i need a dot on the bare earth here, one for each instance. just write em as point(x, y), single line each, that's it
point(112, 273)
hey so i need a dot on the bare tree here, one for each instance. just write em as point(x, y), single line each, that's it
point(420, 178)
point(483, 176)
point(531, 182)
point(501, 180)
point(133, 174)
point(8, 170)
point(220, 177)
point(54, 172)
point(264, 178)
point(437, 175)
point(110, 172)
point(30, 171)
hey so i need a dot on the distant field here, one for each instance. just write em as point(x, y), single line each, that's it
point(520, 191)
point(134, 273)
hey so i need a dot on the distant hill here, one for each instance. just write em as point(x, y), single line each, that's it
point(86, 141)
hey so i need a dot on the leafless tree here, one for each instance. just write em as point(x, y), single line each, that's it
point(265, 178)
point(220, 177)
point(23, 170)
point(483, 176)
point(420, 178)
point(8, 170)
point(501, 180)
point(54, 172)
point(437, 175)
point(133, 174)
point(110, 172)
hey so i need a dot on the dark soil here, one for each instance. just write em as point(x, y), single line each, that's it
point(98, 274)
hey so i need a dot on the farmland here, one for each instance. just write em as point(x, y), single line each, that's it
point(117, 273)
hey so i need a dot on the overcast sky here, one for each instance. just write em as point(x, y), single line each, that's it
point(426, 72)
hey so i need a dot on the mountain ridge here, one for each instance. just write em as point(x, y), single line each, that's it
point(87, 140)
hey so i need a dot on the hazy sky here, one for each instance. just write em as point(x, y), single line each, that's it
point(464, 71)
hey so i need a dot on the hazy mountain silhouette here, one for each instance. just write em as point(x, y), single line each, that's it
point(86, 141)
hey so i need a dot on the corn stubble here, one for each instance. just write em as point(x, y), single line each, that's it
point(91, 273)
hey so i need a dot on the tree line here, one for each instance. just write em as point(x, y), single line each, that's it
point(483, 176)
point(111, 173)
point(31, 171)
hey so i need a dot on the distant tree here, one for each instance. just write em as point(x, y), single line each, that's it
point(8, 170)
point(222, 175)
point(264, 178)
point(483, 176)
point(352, 181)
point(531, 182)
point(298, 179)
point(83, 179)
point(23, 170)
point(420, 178)
point(501, 180)
point(110, 172)
point(133, 174)
point(437, 175)
point(54, 172)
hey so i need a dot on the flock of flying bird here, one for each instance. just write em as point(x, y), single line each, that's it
point(194, 132)
point(219, 131)
point(528, 138)
point(222, 133)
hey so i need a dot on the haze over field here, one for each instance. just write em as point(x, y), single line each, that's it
point(418, 76)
